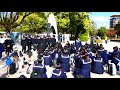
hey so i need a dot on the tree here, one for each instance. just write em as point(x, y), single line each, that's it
point(33, 23)
point(8, 20)
point(117, 28)
point(102, 32)
point(92, 28)
point(79, 22)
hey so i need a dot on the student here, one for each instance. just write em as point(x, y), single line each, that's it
point(12, 67)
point(98, 64)
point(77, 59)
point(78, 43)
point(65, 61)
point(105, 55)
point(39, 70)
point(116, 61)
point(58, 73)
point(58, 55)
point(47, 59)
point(86, 66)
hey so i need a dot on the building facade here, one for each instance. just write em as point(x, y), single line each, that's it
point(114, 20)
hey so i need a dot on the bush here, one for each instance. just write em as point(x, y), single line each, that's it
point(102, 37)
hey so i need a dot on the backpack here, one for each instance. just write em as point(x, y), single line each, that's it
point(12, 68)
point(36, 73)
point(111, 69)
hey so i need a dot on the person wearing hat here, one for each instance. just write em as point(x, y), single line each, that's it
point(58, 73)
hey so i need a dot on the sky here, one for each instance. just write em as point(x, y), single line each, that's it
point(102, 18)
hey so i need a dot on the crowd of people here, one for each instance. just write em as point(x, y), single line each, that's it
point(77, 58)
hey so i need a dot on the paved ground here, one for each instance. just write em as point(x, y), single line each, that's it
point(49, 69)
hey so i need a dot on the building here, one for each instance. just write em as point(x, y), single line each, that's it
point(114, 20)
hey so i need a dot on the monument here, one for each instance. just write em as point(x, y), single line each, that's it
point(52, 23)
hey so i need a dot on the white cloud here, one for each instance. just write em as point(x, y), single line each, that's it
point(101, 21)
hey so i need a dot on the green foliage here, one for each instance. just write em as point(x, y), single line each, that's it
point(92, 28)
point(102, 32)
point(9, 21)
point(74, 23)
point(83, 37)
point(33, 23)
point(117, 28)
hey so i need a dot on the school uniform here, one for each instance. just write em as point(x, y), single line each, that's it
point(59, 58)
point(98, 66)
point(57, 73)
point(118, 54)
point(86, 68)
point(101, 51)
point(105, 57)
point(77, 59)
point(76, 72)
point(47, 60)
point(78, 44)
point(65, 64)
point(90, 54)
point(116, 62)
point(52, 54)
point(42, 69)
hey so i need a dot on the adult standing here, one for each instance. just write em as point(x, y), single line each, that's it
point(8, 44)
